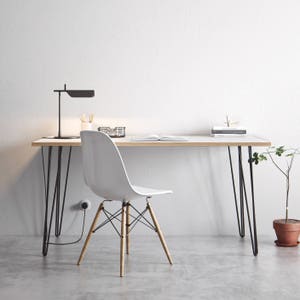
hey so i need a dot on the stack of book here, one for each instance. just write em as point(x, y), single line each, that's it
point(228, 131)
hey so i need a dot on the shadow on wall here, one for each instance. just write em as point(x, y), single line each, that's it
point(21, 190)
point(22, 193)
point(215, 183)
point(209, 181)
point(198, 178)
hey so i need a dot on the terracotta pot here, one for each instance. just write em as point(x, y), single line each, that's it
point(287, 232)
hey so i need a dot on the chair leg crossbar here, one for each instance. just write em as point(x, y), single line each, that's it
point(138, 219)
point(109, 219)
point(126, 227)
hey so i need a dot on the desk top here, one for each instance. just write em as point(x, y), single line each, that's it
point(192, 141)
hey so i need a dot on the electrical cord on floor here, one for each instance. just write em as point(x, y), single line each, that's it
point(79, 239)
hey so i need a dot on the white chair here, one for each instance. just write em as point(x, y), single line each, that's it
point(105, 174)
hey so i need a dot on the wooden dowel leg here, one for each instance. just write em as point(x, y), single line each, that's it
point(90, 234)
point(127, 226)
point(159, 232)
point(122, 244)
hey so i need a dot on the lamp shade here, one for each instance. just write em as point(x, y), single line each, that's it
point(81, 93)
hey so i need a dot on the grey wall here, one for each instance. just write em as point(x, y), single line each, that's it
point(166, 66)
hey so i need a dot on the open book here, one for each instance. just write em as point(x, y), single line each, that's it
point(155, 137)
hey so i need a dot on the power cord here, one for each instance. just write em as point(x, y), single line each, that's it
point(81, 235)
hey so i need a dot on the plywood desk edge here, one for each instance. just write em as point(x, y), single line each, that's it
point(191, 144)
point(55, 143)
point(76, 143)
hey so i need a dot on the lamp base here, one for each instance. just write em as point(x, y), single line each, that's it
point(62, 137)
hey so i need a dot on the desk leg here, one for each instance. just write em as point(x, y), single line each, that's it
point(46, 187)
point(243, 203)
point(56, 200)
point(239, 212)
point(254, 235)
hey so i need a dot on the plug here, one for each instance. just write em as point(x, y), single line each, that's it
point(85, 204)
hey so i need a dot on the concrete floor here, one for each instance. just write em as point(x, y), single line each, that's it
point(204, 268)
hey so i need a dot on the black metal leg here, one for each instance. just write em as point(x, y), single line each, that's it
point(254, 239)
point(241, 181)
point(239, 212)
point(58, 180)
point(56, 205)
point(65, 190)
point(244, 199)
point(46, 186)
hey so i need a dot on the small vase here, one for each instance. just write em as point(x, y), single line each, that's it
point(86, 126)
point(287, 232)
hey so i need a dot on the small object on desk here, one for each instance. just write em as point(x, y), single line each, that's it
point(116, 132)
point(91, 118)
point(228, 131)
point(155, 137)
point(229, 122)
point(71, 137)
point(83, 118)
point(86, 126)
point(87, 122)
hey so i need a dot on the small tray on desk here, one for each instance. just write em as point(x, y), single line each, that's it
point(117, 132)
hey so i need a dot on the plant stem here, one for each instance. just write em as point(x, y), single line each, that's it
point(289, 159)
point(288, 188)
point(276, 165)
point(287, 197)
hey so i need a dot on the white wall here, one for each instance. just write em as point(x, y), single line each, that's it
point(167, 66)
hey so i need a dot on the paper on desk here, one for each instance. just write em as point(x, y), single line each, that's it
point(155, 137)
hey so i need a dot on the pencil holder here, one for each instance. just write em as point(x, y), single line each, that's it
point(86, 126)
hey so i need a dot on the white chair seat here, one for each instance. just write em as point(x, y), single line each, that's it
point(148, 192)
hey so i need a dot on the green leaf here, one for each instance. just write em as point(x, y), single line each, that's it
point(279, 150)
point(262, 157)
point(257, 157)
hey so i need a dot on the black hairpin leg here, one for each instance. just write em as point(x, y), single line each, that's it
point(56, 206)
point(239, 212)
point(46, 186)
point(254, 236)
point(243, 203)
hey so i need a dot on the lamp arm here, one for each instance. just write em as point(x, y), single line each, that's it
point(59, 127)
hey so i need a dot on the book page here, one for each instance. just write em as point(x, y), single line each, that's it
point(155, 137)
point(172, 138)
point(150, 137)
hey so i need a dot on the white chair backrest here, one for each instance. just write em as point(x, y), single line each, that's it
point(103, 167)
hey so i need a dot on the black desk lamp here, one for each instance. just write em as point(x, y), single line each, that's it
point(73, 94)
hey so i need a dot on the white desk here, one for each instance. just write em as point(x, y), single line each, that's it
point(192, 141)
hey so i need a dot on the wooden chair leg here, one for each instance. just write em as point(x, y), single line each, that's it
point(159, 232)
point(90, 234)
point(122, 245)
point(127, 226)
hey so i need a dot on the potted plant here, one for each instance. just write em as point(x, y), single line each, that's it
point(287, 230)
